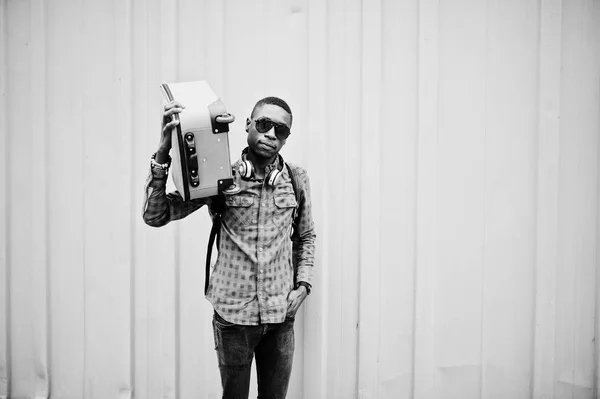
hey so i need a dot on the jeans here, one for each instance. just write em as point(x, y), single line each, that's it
point(271, 344)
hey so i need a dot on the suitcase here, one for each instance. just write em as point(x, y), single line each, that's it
point(201, 164)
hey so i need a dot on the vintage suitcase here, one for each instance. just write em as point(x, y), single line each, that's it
point(200, 144)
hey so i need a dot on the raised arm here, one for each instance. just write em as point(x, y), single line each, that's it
point(159, 207)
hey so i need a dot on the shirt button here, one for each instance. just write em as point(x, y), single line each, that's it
point(261, 270)
point(260, 249)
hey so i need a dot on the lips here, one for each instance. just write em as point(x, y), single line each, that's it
point(266, 146)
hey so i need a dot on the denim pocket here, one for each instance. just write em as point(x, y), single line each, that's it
point(231, 345)
point(221, 322)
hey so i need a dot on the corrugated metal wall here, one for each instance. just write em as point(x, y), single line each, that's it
point(453, 148)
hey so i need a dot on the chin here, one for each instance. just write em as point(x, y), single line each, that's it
point(267, 154)
point(263, 152)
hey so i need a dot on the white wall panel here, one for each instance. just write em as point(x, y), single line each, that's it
point(577, 205)
point(65, 79)
point(4, 232)
point(20, 196)
point(370, 187)
point(453, 149)
point(397, 201)
point(548, 158)
point(39, 201)
point(461, 196)
point(511, 106)
point(316, 133)
point(106, 237)
point(427, 97)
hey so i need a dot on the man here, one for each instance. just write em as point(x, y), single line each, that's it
point(258, 282)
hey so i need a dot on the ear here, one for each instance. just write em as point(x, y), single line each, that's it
point(247, 124)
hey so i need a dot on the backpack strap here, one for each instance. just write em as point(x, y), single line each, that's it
point(215, 233)
point(299, 199)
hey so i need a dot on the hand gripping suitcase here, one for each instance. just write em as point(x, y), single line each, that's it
point(201, 164)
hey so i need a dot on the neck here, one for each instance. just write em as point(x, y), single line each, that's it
point(259, 163)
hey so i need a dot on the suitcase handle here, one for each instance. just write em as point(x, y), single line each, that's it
point(225, 118)
point(192, 159)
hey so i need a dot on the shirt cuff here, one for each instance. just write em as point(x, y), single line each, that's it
point(305, 285)
point(159, 173)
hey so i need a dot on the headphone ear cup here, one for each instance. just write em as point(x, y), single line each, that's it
point(273, 177)
point(245, 169)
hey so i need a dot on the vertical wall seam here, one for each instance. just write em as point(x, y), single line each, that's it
point(81, 93)
point(48, 265)
point(132, 204)
point(177, 387)
point(361, 94)
point(426, 206)
point(379, 174)
point(558, 174)
point(308, 59)
point(485, 208)
point(536, 218)
point(326, 99)
point(544, 317)
point(596, 357)
point(224, 52)
point(40, 265)
point(323, 378)
point(559, 193)
point(343, 187)
point(370, 188)
point(146, 315)
point(416, 207)
point(5, 360)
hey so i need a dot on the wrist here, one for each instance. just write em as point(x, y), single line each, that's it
point(160, 164)
point(305, 285)
point(162, 155)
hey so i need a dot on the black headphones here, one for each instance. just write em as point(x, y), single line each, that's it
point(246, 169)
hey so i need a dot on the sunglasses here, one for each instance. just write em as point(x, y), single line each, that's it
point(263, 125)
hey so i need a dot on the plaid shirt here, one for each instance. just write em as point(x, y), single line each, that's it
point(254, 271)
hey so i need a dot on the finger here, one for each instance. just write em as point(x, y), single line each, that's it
point(291, 295)
point(291, 311)
point(290, 305)
point(296, 304)
point(174, 104)
point(171, 124)
point(172, 111)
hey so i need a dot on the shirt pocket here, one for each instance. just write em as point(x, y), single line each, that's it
point(239, 211)
point(283, 210)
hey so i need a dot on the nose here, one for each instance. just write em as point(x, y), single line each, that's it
point(271, 133)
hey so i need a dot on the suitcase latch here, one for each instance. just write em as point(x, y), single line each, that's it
point(192, 159)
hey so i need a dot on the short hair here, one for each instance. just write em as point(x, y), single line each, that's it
point(273, 101)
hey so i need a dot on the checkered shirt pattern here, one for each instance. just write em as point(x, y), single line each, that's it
point(255, 268)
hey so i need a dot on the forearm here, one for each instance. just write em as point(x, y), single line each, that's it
point(155, 211)
point(304, 234)
point(161, 208)
point(162, 154)
point(304, 255)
